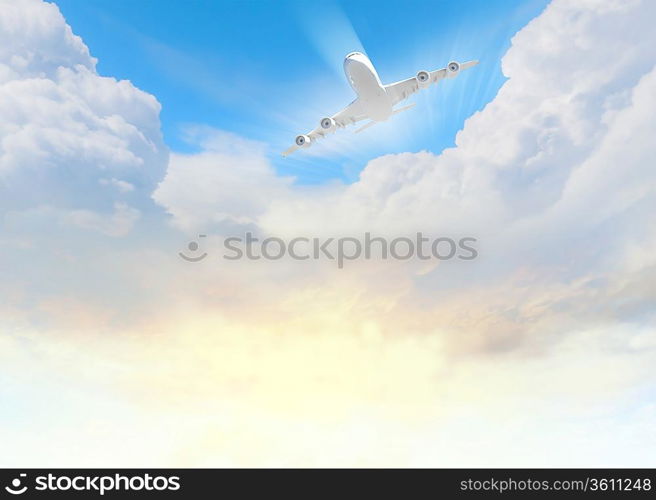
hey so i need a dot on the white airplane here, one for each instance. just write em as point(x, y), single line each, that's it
point(375, 101)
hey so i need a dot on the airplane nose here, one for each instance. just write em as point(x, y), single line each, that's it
point(352, 59)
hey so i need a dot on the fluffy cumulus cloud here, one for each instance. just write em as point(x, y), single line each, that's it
point(230, 183)
point(70, 139)
point(540, 352)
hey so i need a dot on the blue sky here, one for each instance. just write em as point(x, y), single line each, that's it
point(270, 70)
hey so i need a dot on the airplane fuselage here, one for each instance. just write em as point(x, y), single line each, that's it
point(375, 102)
point(364, 80)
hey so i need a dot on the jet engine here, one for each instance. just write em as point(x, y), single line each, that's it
point(328, 124)
point(423, 78)
point(452, 69)
point(303, 141)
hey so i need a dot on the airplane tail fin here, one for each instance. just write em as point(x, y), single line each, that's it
point(365, 127)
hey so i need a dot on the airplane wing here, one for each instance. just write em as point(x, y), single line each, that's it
point(405, 88)
point(349, 115)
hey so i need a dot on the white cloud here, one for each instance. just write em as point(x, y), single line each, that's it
point(36, 41)
point(230, 183)
point(122, 186)
point(118, 223)
point(64, 127)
